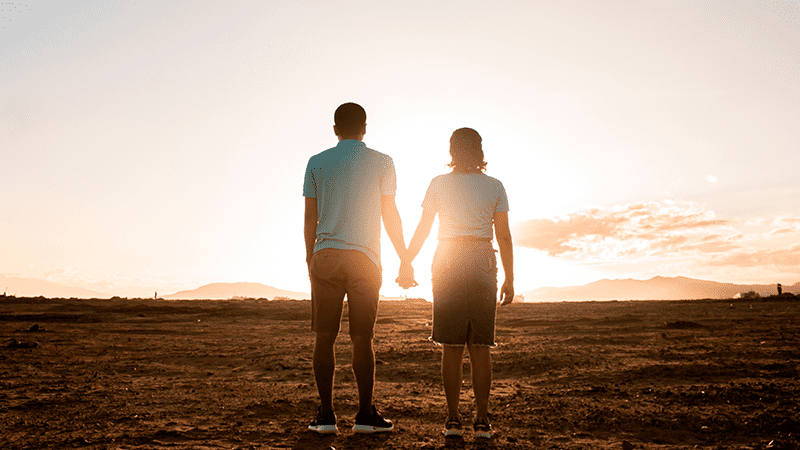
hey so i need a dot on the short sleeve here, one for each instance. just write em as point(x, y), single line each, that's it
point(429, 202)
point(502, 199)
point(389, 180)
point(309, 184)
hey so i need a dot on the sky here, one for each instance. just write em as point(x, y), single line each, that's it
point(148, 145)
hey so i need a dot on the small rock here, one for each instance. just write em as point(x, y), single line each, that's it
point(627, 445)
point(35, 327)
point(16, 343)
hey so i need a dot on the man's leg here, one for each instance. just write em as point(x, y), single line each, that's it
point(452, 362)
point(363, 293)
point(324, 367)
point(364, 370)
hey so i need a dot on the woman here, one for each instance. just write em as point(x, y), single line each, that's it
point(464, 271)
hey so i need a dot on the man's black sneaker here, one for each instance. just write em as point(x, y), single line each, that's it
point(325, 423)
point(372, 423)
point(482, 428)
point(452, 427)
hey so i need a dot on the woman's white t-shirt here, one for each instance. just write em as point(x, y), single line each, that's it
point(466, 203)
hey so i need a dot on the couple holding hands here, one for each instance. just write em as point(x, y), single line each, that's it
point(348, 190)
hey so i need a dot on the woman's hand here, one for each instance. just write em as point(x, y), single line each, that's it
point(507, 292)
point(406, 276)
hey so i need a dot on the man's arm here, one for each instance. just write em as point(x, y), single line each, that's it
point(393, 224)
point(506, 246)
point(310, 227)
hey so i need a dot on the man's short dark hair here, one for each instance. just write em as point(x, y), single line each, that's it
point(349, 119)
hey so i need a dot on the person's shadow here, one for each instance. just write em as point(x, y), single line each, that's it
point(310, 440)
point(314, 441)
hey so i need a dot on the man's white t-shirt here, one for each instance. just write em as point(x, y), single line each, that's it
point(466, 203)
point(348, 181)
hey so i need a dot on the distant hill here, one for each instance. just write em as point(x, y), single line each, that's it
point(222, 291)
point(28, 287)
point(657, 288)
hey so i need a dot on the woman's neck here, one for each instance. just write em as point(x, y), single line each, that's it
point(466, 170)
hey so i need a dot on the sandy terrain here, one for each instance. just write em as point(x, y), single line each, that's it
point(136, 374)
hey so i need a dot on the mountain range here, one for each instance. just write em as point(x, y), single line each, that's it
point(222, 291)
point(656, 288)
point(28, 287)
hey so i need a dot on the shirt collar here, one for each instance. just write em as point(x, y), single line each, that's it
point(351, 143)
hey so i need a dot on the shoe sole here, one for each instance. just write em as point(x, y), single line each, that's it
point(369, 429)
point(452, 433)
point(324, 429)
point(483, 434)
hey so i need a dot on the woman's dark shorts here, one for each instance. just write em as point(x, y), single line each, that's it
point(464, 293)
point(334, 273)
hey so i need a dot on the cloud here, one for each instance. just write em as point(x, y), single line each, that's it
point(666, 228)
point(57, 271)
point(790, 223)
point(781, 258)
point(712, 179)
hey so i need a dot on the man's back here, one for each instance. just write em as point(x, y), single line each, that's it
point(348, 181)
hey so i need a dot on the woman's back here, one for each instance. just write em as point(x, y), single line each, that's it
point(466, 203)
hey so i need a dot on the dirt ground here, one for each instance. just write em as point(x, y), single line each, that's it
point(145, 374)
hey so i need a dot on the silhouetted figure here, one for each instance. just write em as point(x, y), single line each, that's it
point(780, 289)
point(348, 189)
point(156, 295)
point(464, 272)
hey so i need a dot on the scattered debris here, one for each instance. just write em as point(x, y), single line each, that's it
point(683, 325)
point(16, 343)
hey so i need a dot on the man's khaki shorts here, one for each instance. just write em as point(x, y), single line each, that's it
point(335, 273)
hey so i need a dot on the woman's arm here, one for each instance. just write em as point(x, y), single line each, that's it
point(506, 246)
point(420, 234)
point(406, 277)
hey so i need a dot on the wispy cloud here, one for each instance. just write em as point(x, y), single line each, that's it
point(661, 230)
point(780, 258)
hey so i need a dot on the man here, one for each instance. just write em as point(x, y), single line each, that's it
point(348, 189)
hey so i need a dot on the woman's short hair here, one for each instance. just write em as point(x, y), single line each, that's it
point(466, 150)
point(349, 119)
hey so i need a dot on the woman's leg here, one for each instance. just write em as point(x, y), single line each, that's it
point(481, 367)
point(452, 363)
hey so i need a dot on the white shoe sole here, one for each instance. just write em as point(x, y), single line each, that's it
point(367, 429)
point(324, 429)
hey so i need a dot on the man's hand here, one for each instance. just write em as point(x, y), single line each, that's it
point(406, 276)
point(310, 228)
point(507, 293)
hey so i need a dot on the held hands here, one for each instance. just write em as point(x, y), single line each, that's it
point(507, 293)
point(406, 276)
